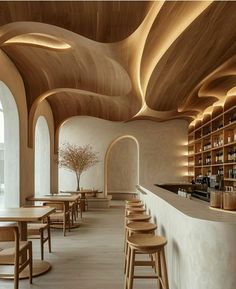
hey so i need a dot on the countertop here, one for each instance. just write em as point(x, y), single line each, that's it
point(192, 208)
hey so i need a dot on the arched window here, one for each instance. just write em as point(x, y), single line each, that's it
point(9, 149)
point(42, 157)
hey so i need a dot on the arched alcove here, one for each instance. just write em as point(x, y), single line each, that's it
point(121, 165)
point(42, 157)
point(10, 149)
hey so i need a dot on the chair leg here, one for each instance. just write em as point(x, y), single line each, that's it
point(16, 275)
point(49, 236)
point(64, 225)
point(30, 264)
point(41, 244)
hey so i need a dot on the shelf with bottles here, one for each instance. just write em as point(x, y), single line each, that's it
point(207, 159)
point(206, 171)
point(198, 160)
point(206, 144)
point(217, 140)
point(230, 154)
point(230, 172)
point(198, 147)
point(198, 134)
point(217, 157)
point(230, 116)
point(217, 123)
point(217, 170)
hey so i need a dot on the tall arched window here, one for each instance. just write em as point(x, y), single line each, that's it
point(1, 157)
point(10, 151)
point(42, 157)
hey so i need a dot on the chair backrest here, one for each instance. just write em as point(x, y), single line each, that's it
point(8, 232)
point(59, 206)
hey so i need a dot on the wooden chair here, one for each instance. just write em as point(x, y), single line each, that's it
point(61, 216)
point(14, 252)
point(37, 230)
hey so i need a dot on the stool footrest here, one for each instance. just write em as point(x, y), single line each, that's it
point(145, 277)
point(144, 263)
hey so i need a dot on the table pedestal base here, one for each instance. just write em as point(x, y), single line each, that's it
point(39, 268)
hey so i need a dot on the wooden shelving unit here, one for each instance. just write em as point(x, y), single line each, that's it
point(212, 143)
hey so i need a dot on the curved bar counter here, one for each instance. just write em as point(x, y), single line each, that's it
point(201, 249)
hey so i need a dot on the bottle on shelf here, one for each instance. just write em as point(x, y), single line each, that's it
point(229, 155)
point(232, 173)
point(220, 124)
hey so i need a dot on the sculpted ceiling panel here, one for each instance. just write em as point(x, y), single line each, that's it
point(122, 60)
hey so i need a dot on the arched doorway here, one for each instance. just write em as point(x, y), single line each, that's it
point(42, 157)
point(9, 149)
point(121, 165)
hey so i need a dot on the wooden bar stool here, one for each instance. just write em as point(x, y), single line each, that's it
point(129, 210)
point(134, 200)
point(134, 218)
point(135, 228)
point(151, 245)
point(136, 205)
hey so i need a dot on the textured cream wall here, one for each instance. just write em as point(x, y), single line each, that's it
point(162, 148)
point(122, 166)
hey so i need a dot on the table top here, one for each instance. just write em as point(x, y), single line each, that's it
point(25, 214)
point(53, 198)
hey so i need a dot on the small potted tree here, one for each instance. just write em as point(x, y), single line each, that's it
point(77, 159)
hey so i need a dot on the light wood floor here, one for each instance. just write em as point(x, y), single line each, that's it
point(89, 257)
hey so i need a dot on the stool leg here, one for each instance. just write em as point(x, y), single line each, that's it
point(158, 270)
point(164, 269)
point(126, 249)
point(127, 266)
point(131, 269)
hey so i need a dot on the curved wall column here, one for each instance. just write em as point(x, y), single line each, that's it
point(42, 157)
point(10, 76)
point(44, 111)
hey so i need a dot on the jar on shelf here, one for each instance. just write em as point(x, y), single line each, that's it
point(216, 198)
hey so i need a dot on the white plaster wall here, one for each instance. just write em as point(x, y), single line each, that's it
point(123, 166)
point(162, 148)
point(200, 254)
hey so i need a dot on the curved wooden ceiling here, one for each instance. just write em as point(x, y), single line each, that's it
point(122, 60)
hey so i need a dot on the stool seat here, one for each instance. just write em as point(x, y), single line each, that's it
point(141, 227)
point(138, 217)
point(146, 241)
point(134, 200)
point(133, 205)
point(133, 209)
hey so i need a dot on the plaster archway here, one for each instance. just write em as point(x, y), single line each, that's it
point(11, 147)
point(42, 157)
point(106, 160)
